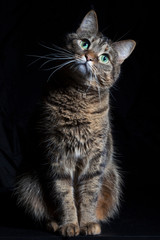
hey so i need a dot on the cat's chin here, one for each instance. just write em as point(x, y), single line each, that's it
point(83, 70)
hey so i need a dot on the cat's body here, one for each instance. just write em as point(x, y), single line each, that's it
point(79, 185)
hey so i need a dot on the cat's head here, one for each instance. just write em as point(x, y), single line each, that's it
point(96, 58)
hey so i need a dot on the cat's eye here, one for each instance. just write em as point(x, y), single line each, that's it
point(104, 58)
point(84, 44)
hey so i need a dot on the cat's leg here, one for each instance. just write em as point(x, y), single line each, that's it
point(108, 198)
point(88, 191)
point(99, 193)
point(63, 194)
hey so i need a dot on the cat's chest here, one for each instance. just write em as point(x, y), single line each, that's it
point(78, 139)
point(77, 125)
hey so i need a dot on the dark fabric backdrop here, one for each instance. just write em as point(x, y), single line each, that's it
point(135, 100)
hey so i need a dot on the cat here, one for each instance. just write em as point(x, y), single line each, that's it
point(79, 185)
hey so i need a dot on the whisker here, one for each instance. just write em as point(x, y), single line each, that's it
point(115, 87)
point(61, 53)
point(88, 88)
point(30, 64)
point(48, 69)
point(58, 68)
point(106, 28)
point(97, 83)
point(57, 54)
point(110, 92)
point(60, 48)
point(42, 45)
point(38, 58)
point(124, 35)
point(45, 63)
point(115, 36)
point(61, 56)
point(51, 58)
point(99, 91)
point(73, 66)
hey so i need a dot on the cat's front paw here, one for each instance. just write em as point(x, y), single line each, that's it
point(91, 229)
point(70, 230)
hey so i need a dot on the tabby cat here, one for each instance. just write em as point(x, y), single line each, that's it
point(78, 186)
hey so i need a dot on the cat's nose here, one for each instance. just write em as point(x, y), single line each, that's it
point(90, 56)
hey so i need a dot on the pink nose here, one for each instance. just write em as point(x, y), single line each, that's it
point(90, 56)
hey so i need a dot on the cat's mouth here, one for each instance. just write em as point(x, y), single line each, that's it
point(83, 66)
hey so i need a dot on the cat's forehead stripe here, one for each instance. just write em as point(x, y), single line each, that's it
point(99, 42)
point(96, 42)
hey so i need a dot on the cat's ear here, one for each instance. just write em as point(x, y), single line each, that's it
point(89, 23)
point(124, 48)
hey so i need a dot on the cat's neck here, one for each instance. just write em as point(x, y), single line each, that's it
point(79, 98)
point(65, 81)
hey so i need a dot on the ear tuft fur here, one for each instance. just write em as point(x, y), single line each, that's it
point(124, 48)
point(89, 23)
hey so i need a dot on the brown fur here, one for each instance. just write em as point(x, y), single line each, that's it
point(106, 198)
point(78, 185)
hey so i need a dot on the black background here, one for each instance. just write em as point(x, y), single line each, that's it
point(134, 100)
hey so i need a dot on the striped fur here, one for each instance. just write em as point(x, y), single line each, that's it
point(79, 184)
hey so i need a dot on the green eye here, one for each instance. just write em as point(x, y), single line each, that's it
point(104, 58)
point(84, 44)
